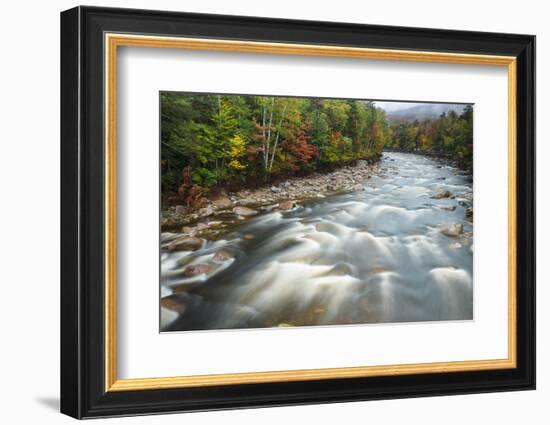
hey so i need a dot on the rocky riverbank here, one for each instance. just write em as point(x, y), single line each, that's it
point(226, 209)
point(396, 247)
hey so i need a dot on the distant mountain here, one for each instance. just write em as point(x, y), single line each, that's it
point(421, 112)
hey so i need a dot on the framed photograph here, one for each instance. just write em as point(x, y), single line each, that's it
point(261, 212)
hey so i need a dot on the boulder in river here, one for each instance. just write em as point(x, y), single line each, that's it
point(222, 255)
point(173, 303)
point(469, 213)
point(244, 211)
point(287, 205)
point(168, 237)
point(452, 229)
point(197, 269)
point(443, 194)
point(185, 244)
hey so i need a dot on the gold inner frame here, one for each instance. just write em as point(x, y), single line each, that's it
point(113, 41)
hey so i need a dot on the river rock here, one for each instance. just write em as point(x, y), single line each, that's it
point(443, 194)
point(222, 203)
point(244, 211)
point(198, 269)
point(168, 237)
point(206, 211)
point(469, 213)
point(448, 207)
point(188, 230)
point(245, 201)
point(287, 205)
point(362, 163)
point(222, 255)
point(453, 229)
point(192, 231)
point(173, 303)
point(206, 224)
point(185, 244)
point(180, 210)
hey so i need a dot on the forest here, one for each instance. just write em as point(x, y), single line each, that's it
point(215, 141)
point(449, 136)
point(251, 139)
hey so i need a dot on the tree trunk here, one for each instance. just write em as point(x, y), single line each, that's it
point(277, 138)
point(268, 141)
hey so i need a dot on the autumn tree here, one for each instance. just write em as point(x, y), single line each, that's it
point(220, 138)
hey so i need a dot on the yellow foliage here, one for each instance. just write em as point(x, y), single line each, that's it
point(236, 165)
point(237, 148)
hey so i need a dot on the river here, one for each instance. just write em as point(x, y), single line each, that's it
point(377, 255)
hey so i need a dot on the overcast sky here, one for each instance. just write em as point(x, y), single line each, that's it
point(395, 106)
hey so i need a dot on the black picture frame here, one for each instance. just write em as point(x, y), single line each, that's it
point(83, 392)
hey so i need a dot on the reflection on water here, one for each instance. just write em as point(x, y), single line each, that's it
point(373, 256)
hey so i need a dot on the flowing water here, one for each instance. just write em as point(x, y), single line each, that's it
point(376, 255)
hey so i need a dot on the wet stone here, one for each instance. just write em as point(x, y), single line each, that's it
point(442, 195)
point(198, 269)
point(222, 255)
point(287, 205)
point(185, 244)
point(222, 203)
point(453, 229)
point(168, 237)
point(173, 303)
point(244, 211)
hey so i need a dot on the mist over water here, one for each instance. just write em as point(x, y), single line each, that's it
point(376, 255)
